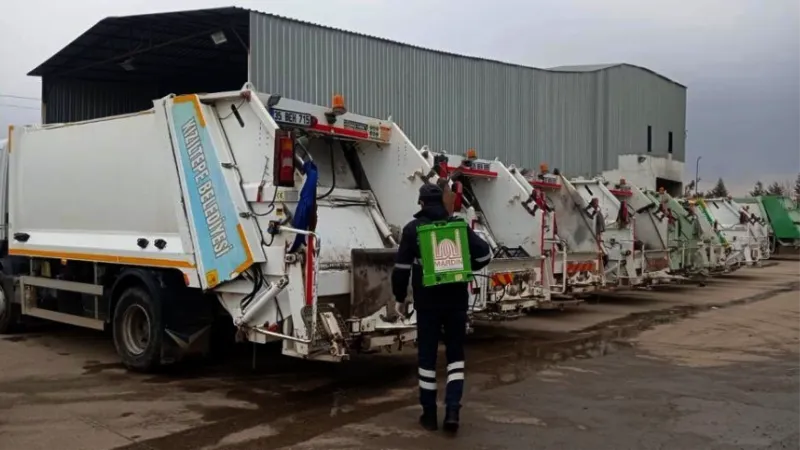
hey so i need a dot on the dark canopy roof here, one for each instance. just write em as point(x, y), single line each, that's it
point(158, 45)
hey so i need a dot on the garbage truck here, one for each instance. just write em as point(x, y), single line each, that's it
point(280, 215)
point(759, 226)
point(685, 239)
point(521, 227)
point(784, 219)
point(718, 249)
point(734, 224)
point(576, 256)
point(758, 215)
point(622, 260)
point(650, 223)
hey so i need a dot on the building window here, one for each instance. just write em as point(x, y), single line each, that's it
point(649, 138)
point(669, 143)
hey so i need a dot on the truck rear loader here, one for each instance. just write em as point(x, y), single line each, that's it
point(574, 246)
point(736, 227)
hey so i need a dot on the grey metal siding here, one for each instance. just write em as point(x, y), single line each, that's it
point(521, 115)
point(577, 121)
point(637, 99)
point(564, 122)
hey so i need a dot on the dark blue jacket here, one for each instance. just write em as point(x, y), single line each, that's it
point(444, 296)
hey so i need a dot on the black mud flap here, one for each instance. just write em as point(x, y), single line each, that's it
point(371, 281)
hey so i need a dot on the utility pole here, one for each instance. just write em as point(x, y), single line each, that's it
point(697, 174)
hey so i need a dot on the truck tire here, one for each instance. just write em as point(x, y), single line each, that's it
point(138, 330)
point(9, 310)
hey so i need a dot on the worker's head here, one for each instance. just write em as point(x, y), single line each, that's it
point(430, 194)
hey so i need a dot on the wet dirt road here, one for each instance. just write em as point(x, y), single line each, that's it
point(723, 378)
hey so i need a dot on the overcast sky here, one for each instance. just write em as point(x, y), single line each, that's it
point(739, 58)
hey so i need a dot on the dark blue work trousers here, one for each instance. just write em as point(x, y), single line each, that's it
point(430, 326)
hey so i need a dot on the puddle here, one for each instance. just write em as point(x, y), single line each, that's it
point(94, 368)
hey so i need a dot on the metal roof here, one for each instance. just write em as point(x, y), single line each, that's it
point(150, 39)
point(585, 67)
point(582, 68)
point(160, 45)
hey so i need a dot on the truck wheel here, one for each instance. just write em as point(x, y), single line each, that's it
point(9, 311)
point(137, 330)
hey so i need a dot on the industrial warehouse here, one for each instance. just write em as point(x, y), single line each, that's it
point(261, 233)
point(616, 119)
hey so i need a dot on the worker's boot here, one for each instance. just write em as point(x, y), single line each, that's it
point(428, 419)
point(451, 417)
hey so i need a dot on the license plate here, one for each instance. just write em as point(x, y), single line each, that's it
point(485, 166)
point(291, 117)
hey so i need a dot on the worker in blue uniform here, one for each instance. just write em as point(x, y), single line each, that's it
point(440, 308)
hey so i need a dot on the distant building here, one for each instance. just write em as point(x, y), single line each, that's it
point(611, 119)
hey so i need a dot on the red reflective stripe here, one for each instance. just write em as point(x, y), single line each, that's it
point(502, 279)
point(475, 172)
point(341, 131)
point(582, 266)
point(544, 185)
point(621, 193)
point(309, 271)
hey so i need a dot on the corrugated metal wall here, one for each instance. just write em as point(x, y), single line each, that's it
point(444, 101)
point(578, 122)
point(564, 131)
point(638, 99)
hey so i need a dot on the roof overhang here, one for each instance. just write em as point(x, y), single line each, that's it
point(153, 46)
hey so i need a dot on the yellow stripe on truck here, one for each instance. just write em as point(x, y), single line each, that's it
point(249, 260)
point(196, 100)
point(112, 259)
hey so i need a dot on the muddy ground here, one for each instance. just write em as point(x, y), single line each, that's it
point(712, 367)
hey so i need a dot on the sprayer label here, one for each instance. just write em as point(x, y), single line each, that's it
point(220, 241)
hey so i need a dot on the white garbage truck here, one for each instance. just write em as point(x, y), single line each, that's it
point(482, 193)
point(716, 247)
point(576, 257)
point(280, 214)
point(758, 216)
point(758, 224)
point(651, 220)
point(735, 226)
point(521, 226)
point(614, 224)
